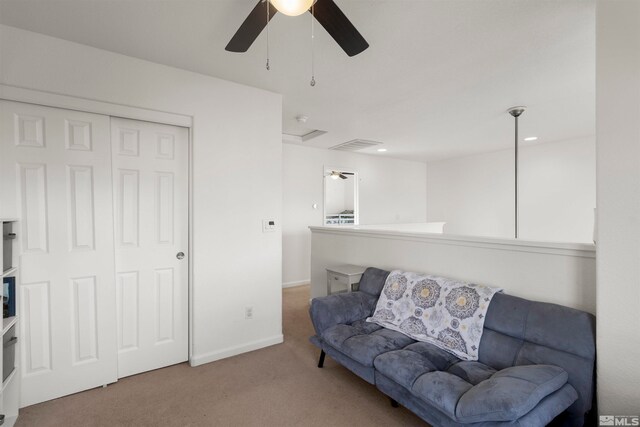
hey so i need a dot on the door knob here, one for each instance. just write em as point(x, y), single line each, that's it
point(180, 255)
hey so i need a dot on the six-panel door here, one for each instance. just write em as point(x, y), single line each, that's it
point(150, 181)
point(103, 210)
point(56, 178)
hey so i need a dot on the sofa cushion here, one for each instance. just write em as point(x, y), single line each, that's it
point(403, 366)
point(472, 372)
point(364, 341)
point(509, 394)
point(372, 281)
point(522, 332)
point(440, 358)
point(469, 391)
point(340, 309)
point(442, 390)
point(407, 365)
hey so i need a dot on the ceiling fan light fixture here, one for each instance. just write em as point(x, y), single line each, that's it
point(335, 175)
point(292, 7)
point(327, 13)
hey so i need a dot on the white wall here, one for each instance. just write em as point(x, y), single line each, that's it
point(618, 151)
point(475, 194)
point(390, 191)
point(237, 175)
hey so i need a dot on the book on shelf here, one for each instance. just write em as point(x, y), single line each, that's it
point(9, 297)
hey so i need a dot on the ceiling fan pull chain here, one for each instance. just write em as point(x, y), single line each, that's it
point(268, 6)
point(313, 77)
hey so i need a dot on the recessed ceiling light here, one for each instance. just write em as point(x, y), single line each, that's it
point(531, 138)
point(382, 150)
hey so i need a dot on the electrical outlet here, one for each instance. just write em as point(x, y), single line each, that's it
point(248, 313)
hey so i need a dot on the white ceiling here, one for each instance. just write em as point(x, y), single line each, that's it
point(435, 83)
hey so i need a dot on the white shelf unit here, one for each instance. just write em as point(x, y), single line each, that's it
point(340, 219)
point(9, 271)
point(8, 322)
point(10, 388)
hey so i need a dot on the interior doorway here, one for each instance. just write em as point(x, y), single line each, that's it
point(151, 213)
point(341, 196)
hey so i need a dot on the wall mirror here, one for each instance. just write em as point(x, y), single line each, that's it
point(340, 196)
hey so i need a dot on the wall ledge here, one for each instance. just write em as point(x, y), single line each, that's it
point(583, 250)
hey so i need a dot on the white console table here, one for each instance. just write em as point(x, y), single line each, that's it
point(344, 275)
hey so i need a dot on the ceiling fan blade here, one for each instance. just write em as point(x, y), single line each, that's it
point(251, 27)
point(346, 173)
point(339, 27)
point(343, 176)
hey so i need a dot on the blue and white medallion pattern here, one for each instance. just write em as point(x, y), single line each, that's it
point(397, 284)
point(446, 313)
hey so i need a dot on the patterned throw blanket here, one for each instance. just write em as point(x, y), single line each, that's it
point(446, 313)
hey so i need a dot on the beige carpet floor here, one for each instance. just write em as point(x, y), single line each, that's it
point(275, 386)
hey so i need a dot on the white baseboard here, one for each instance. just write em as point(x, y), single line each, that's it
point(296, 283)
point(234, 351)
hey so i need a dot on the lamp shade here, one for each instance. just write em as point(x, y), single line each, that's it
point(292, 7)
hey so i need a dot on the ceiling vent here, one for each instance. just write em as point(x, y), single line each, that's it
point(304, 137)
point(312, 134)
point(355, 145)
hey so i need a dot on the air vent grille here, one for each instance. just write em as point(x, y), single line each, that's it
point(355, 145)
point(304, 137)
point(313, 134)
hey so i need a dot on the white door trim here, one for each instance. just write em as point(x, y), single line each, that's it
point(51, 99)
point(56, 100)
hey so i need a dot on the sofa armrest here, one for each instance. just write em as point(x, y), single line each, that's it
point(512, 393)
point(340, 308)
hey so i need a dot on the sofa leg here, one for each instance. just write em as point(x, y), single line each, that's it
point(321, 361)
point(393, 403)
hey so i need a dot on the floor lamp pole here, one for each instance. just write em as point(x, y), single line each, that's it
point(516, 112)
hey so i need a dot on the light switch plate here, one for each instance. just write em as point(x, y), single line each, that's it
point(268, 225)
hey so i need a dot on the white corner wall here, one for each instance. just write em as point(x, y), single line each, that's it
point(390, 191)
point(475, 194)
point(618, 239)
point(237, 175)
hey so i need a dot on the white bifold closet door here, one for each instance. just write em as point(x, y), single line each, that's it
point(150, 181)
point(56, 177)
point(103, 210)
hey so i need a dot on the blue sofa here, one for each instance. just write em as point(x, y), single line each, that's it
point(535, 366)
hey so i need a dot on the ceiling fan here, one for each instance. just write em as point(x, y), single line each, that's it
point(326, 12)
point(338, 174)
